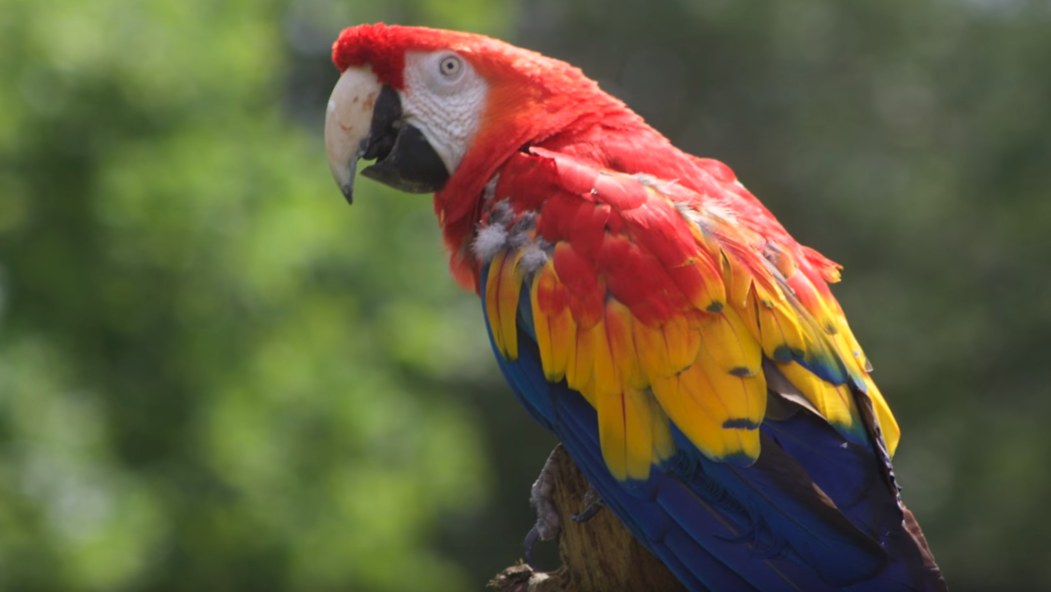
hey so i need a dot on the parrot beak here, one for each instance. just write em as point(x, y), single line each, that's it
point(347, 124)
point(365, 120)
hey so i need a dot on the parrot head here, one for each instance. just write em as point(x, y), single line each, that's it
point(442, 109)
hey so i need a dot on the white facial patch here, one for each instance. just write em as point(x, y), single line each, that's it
point(444, 98)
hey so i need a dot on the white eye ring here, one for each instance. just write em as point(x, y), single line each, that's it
point(450, 66)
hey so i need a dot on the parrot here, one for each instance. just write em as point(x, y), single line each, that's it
point(644, 307)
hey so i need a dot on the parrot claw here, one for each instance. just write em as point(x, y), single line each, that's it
point(527, 547)
point(548, 526)
point(594, 506)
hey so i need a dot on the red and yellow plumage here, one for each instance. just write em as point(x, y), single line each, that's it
point(659, 303)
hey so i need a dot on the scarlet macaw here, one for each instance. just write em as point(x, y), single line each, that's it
point(647, 309)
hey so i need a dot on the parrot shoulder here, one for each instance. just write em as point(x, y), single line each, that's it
point(661, 305)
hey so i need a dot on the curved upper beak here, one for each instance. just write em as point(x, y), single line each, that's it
point(347, 124)
point(365, 120)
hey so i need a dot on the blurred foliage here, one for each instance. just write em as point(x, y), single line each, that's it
point(213, 375)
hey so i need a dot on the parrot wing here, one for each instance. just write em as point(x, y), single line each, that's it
point(699, 371)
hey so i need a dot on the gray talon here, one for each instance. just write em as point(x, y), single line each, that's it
point(589, 512)
point(527, 547)
point(594, 504)
point(541, 497)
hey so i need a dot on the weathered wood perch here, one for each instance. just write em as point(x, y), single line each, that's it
point(599, 555)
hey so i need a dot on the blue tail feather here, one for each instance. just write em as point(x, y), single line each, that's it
point(782, 500)
point(648, 520)
point(849, 475)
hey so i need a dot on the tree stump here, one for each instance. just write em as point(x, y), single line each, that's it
point(599, 555)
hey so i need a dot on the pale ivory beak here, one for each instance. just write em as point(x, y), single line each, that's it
point(347, 124)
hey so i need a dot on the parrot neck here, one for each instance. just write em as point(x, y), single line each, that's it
point(590, 126)
point(581, 124)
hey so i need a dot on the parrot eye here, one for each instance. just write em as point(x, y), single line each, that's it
point(444, 73)
point(450, 66)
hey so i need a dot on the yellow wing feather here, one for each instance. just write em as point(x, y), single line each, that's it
point(698, 366)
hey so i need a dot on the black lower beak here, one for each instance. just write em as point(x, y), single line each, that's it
point(405, 159)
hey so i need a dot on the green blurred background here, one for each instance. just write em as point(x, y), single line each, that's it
point(216, 376)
